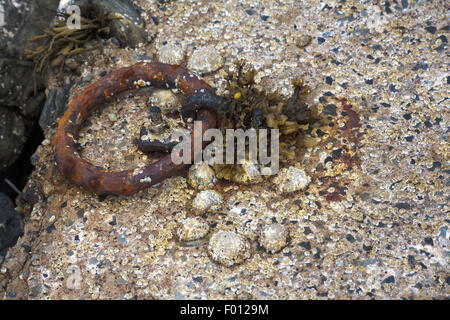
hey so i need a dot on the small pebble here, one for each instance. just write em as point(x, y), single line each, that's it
point(205, 60)
point(171, 53)
point(303, 40)
point(193, 229)
point(201, 176)
point(228, 248)
point(207, 200)
point(292, 179)
point(112, 117)
point(273, 237)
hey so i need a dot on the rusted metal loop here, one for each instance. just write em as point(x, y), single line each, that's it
point(127, 182)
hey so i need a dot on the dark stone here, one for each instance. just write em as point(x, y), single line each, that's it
point(402, 205)
point(329, 80)
point(129, 33)
point(55, 106)
point(390, 279)
point(306, 245)
point(330, 109)
point(431, 29)
point(13, 134)
point(350, 238)
point(320, 40)
point(428, 241)
point(411, 261)
point(10, 224)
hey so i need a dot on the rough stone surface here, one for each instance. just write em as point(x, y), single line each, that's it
point(371, 224)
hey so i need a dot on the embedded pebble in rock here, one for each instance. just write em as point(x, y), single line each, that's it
point(228, 248)
point(207, 200)
point(171, 53)
point(202, 176)
point(273, 237)
point(193, 229)
point(205, 60)
point(247, 173)
point(164, 98)
point(292, 179)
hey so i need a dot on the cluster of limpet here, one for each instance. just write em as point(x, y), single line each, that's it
point(273, 237)
point(201, 176)
point(193, 229)
point(228, 248)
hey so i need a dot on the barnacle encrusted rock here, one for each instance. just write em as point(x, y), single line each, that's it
point(171, 53)
point(193, 229)
point(273, 237)
point(205, 60)
point(202, 176)
point(228, 248)
point(291, 179)
point(207, 200)
point(247, 173)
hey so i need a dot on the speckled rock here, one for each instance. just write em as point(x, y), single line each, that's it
point(171, 53)
point(202, 176)
point(247, 173)
point(207, 201)
point(228, 248)
point(205, 60)
point(273, 237)
point(291, 179)
point(193, 229)
point(371, 224)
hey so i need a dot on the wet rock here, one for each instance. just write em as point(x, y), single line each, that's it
point(55, 106)
point(12, 136)
point(273, 237)
point(247, 173)
point(202, 176)
point(193, 229)
point(205, 60)
point(129, 31)
point(228, 248)
point(171, 53)
point(207, 201)
point(292, 179)
point(10, 224)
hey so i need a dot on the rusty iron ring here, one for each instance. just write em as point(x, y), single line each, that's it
point(127, 182)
